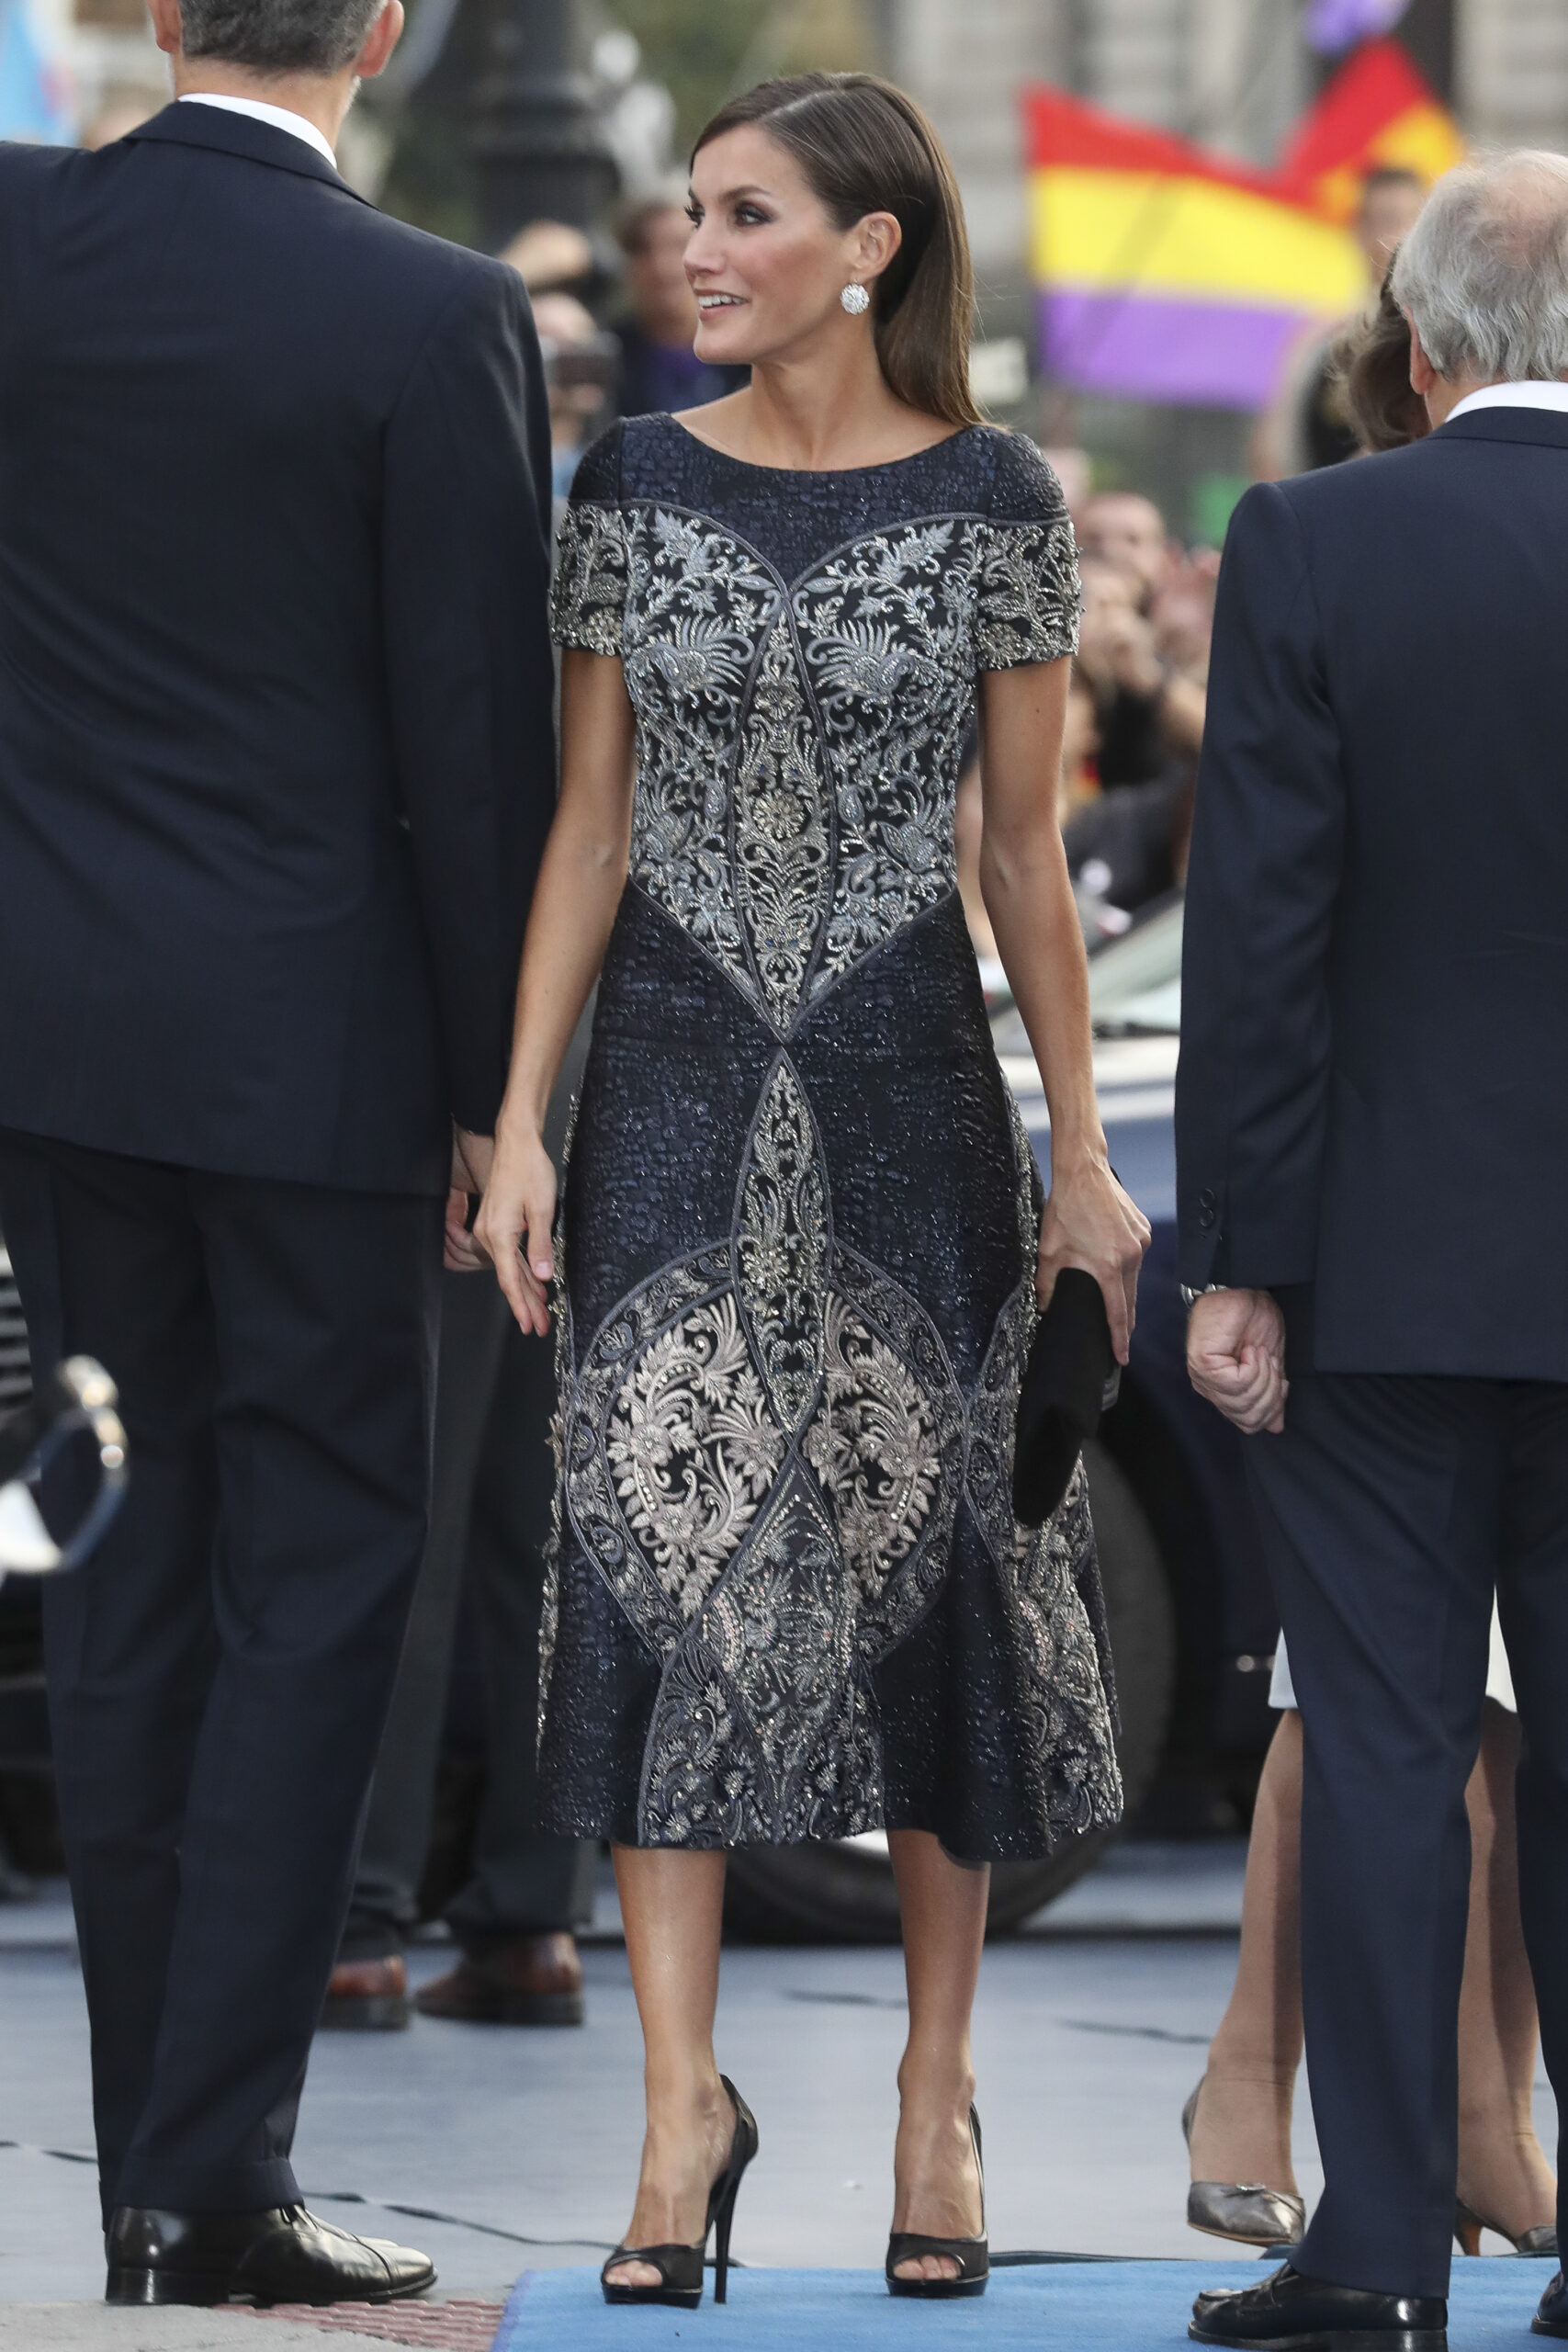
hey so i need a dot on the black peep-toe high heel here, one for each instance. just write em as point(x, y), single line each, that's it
point(679, 2267)
point(972, 2256)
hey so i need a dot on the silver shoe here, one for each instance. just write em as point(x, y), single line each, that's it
point(1539, 2242)
point(1244, 2210)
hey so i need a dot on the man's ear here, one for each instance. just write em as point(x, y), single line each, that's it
point(1423, 375)
point(380, 41)
point(167, 29)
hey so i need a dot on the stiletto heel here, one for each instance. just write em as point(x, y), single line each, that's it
point(722, 2220)
point(1469, 2224)
point(679, 2267)
point(972, 2256)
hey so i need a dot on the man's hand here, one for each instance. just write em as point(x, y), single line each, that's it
point(471, 1157)
point(1236, 1357)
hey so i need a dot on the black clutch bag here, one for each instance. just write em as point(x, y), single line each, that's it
point(1072, 1377)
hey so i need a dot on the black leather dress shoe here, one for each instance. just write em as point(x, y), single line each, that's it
point(1290, 2314)
point(1552, 2319)
point(282, 2256)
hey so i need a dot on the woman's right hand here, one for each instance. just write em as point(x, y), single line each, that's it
point(514, 1223)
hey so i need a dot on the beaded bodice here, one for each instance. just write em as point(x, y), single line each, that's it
point(803, 675)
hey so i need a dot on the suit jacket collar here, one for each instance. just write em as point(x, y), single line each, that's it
point(241, 134)
point(1546, 427)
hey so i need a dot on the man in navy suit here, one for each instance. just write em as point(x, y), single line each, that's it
point(1372, 1143)
point(276, 767)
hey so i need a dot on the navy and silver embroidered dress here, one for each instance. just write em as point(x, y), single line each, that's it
point(789, 1599)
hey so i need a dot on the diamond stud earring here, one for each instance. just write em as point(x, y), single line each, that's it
point(855, 299)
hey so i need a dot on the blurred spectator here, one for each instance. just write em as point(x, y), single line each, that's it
point(1182, 617)
point(1307, 424)
point(548, 255)
point(1134, 724)
point(660, 371)
point(1148, 609)
point(581, 363)
point(1124, 528)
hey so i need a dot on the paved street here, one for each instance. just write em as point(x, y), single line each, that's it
point(1091, 2030)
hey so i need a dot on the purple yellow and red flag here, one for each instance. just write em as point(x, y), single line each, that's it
point(1377, 111)
point(1168, 273)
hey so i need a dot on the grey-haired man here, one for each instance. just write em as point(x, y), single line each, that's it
point(1372, 1148)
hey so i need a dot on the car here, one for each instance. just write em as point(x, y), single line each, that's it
point(1193, 1621)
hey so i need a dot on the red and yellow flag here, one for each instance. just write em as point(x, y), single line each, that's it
point(1168, 273)
point(1377, 111)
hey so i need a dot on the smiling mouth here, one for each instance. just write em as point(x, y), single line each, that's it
point(708, 303)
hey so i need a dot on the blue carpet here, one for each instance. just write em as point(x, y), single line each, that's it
point(1109, 2306)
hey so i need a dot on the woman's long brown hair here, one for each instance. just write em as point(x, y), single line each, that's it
point(865, 147)
point(1372, 359)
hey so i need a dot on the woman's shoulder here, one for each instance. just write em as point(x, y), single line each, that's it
point(597, 481)
point(1022, 486)
point(638, 458)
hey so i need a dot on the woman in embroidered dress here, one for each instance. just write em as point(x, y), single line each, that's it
point(803, 1239)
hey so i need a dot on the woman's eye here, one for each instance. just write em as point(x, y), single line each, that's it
point(695, 215)
point(746, 216)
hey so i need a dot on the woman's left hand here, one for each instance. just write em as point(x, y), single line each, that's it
point(1090, 1222)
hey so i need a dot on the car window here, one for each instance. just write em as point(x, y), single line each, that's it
point(1135, 983)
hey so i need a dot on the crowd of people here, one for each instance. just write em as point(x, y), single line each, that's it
point(318, 951)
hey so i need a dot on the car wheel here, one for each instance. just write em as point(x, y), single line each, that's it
point(844, 1892)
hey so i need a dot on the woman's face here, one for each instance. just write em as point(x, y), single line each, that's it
point(765, 261)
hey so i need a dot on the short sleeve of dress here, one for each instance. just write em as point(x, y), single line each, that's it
point(1029, 594)
point(589, 592)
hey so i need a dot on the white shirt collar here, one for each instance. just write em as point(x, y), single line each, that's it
point(280, 118)
point(1548, 394)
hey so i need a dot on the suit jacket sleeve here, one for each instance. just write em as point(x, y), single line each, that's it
point(470, 677)
point(1268, 845)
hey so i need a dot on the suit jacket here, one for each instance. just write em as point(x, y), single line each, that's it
point(1373, 1097)
point(276, 737)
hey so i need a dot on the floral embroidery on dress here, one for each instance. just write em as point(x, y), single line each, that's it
point(781, 828)
point(692, 1449)
point(698, 603)
point(588, 593)
point(781, 1245)
point(743, 722)
point(1029, 596)
point(768, 1462)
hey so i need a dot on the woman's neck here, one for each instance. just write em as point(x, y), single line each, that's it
point(825, 411)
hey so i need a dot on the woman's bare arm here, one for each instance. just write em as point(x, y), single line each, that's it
point(1089, 1221)
point(580, 880)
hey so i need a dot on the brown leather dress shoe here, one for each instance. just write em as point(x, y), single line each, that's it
point(538, 1980)
point(368, 1996)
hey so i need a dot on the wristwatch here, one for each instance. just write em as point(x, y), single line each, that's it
point(1190, 1296)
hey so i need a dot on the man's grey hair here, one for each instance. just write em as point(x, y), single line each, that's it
point(1483, 273)
point(278, 36)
